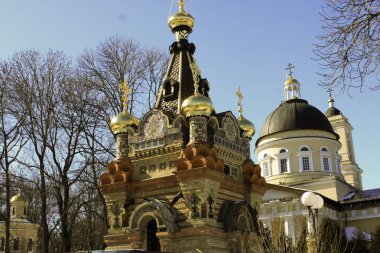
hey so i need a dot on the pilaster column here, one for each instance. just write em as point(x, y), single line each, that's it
point(198, 129)
point(122, 147)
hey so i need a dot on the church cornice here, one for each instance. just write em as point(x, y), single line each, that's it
point(286, 140)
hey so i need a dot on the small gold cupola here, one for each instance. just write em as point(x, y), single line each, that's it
point(197, 104)
point(292, 87)
point(181, 18)
point(121, 122)
point(181, 23)
point(247, 126)
point(19, 204)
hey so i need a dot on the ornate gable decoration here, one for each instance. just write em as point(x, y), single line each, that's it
point(231, 129)
point(155, 126)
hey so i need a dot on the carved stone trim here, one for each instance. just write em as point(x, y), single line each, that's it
point(198, 129)
point(122, 148)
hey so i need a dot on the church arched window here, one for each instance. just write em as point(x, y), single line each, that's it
point(283, 161)
point(2, 242)
point(30, 245)
point(339, 164)
point(16, 244)
point(305, 159)
point(325, 159)
point(266, 166)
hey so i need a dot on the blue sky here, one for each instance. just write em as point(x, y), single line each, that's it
point(245, 43)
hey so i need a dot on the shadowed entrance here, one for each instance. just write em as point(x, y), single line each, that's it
point(153, 242)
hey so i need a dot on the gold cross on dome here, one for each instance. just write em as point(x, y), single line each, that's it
point(196, 73)
point(125, 91)
point(240, 99)
point(290, 68)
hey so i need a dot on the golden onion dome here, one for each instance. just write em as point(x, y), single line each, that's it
point(197, 105)
point(181, 18)
point(247, 126)
point(291, 80)
point(121, 122)
point(18, 198)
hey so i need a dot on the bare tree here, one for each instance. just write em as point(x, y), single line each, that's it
point(65, 142)
point(61, 115)
point(349, 46)
point(156, 63)
point(35, 79)
point(11, 139)
point(114, 61)
point(117, 60)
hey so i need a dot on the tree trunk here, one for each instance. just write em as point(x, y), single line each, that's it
point(44, 223)
point(8, 209)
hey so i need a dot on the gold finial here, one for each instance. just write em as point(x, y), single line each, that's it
point(196, 73)
point(290, 68)
point(125, 90)
point(240, 99)
point(181, 4)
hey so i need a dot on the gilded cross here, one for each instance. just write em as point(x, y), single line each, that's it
point(240, 99)
point(125, 91)
point(181, 4)
point(196, 73)
point(290, 68)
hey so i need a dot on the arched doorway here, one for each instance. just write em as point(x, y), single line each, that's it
point(153, 243)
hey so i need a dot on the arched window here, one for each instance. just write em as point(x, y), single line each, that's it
point(339, 165)
point(16, 244)
point(30, 245)
point(283, 161)
point(13, 211)
point(265, 169)
point(325, 159)
point(2, 243)
point(305, 159)
point(266, 165)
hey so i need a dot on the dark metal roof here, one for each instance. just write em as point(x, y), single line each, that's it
point(333, 111)
point(295, 114)
point(179, 75)
point(359, 196)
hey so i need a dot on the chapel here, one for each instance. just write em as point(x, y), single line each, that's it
point(183, 179)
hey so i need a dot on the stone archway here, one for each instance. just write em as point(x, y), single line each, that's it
point(149, 218)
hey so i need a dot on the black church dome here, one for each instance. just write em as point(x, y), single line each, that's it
point(333, 111)
point(295, 114)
